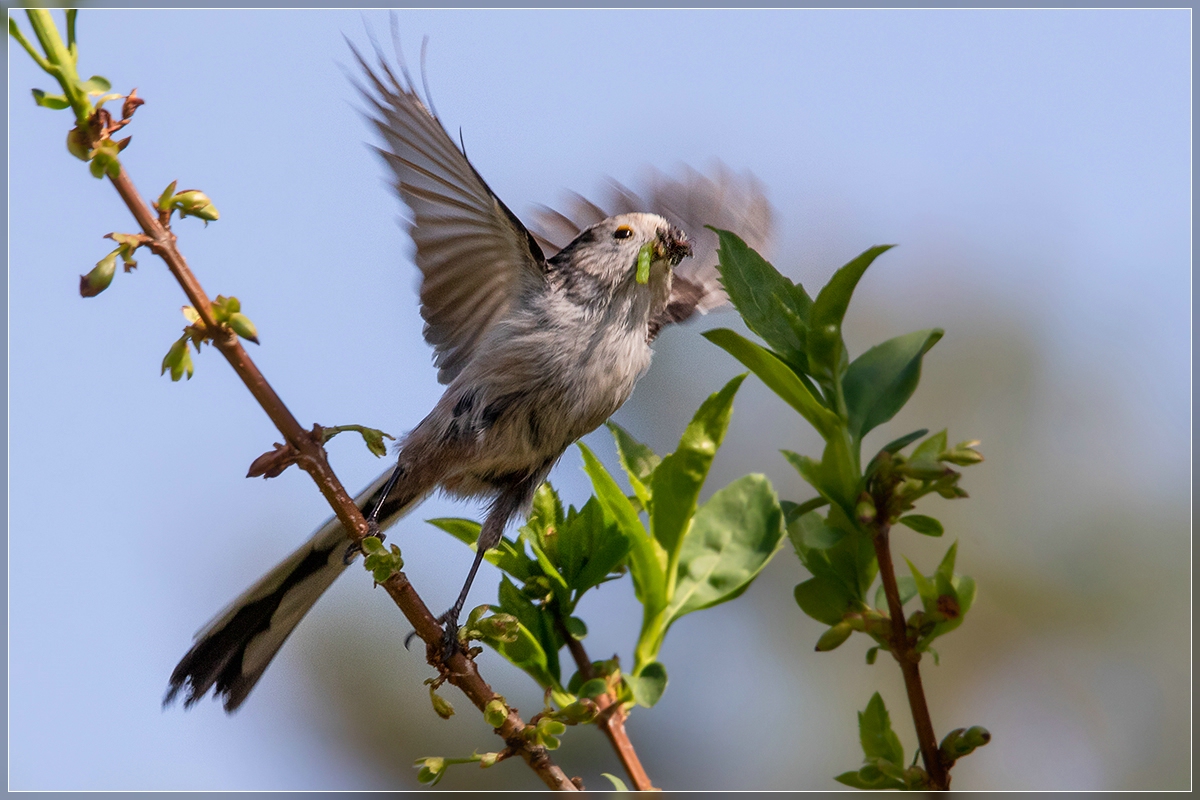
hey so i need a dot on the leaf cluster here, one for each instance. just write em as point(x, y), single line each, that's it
point(883, 754)
point(683, 556)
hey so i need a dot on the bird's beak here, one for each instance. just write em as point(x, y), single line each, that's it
point(673, 245)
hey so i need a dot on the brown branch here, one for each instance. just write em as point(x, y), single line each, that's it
point(611, 718)
point(460, 670)
point(908, 659)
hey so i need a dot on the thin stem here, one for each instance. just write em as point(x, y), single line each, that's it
point(611, 722)
point(62, 64)
point(462, 672)
point(908, 659)
point(809, 505)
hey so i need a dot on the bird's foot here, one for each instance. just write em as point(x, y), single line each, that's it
point(450, 644)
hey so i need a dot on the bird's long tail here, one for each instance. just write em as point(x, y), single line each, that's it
point(232, 652)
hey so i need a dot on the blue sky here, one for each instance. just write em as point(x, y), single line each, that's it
point(1034, 166)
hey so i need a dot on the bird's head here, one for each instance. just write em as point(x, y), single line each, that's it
point(627, 249)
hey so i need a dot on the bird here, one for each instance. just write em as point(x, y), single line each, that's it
point(539, 335)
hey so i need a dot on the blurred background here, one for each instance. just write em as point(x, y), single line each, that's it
point(1033, 166)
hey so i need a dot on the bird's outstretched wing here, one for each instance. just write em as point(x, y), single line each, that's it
point(471, 250)
point(723, 199)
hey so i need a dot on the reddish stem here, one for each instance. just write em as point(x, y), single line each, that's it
point(908, 659)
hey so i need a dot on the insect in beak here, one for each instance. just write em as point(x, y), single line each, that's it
point(672, 244)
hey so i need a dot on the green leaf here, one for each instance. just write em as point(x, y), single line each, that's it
point(832, 484)
point(964, 586)
point(54, 101)
point(372, 437)
point(857, 781)
point(809, 532)
point(178, 360)
point(96, 85)
point(648, 571)
point(872, 654)
point(825, 599)
point(926, 588)
point(637, 459)
point(876, 734)
point(826, 350)
point(527, 651)
point(618, 784)
point(852, 559)
point(590, 546)
point(648, 685)
point(508, 555)
point(732, 538)
point(879, 382)
point(946, 568)
point(922, 524)
point(896, 445)
point(794, 389)
point(677, 481)
point(927, 452)
point(771, 305)
point(576, 627)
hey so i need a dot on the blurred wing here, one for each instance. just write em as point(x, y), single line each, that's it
point(471, 250)
point(691, 201)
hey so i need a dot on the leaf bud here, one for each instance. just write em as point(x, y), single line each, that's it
point(431, 770)
point(865, 510)
point(499, 627)
point(963, 454)
point(495, 712)
point(100, 277)
point(77, 144)
point(977, 735)
point(488, 760)
point(579, 712)
point(441, 706)
point(547, 729)
point(195, 203)
point(834, 637)
point(243, 327)
point(164, 200)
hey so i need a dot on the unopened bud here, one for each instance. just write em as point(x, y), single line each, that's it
point(77, 145)
point(916, 778)
point(488, 760)
point(865, 510)
point(977, 735)
point(547, 730)
point(100, 277)
point(963, 454)
point(196, 203)
point(243, 327)
point(431, 770)
point(834, 637)
point(579, 712)
point(499, 627)
point(441, 706)
point(495, 712)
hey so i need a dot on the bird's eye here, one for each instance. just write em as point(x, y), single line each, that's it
point(623, 232)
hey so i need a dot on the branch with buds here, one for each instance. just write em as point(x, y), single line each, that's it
point(220, 323)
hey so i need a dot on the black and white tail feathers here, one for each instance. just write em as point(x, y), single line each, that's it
point(232, 652)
